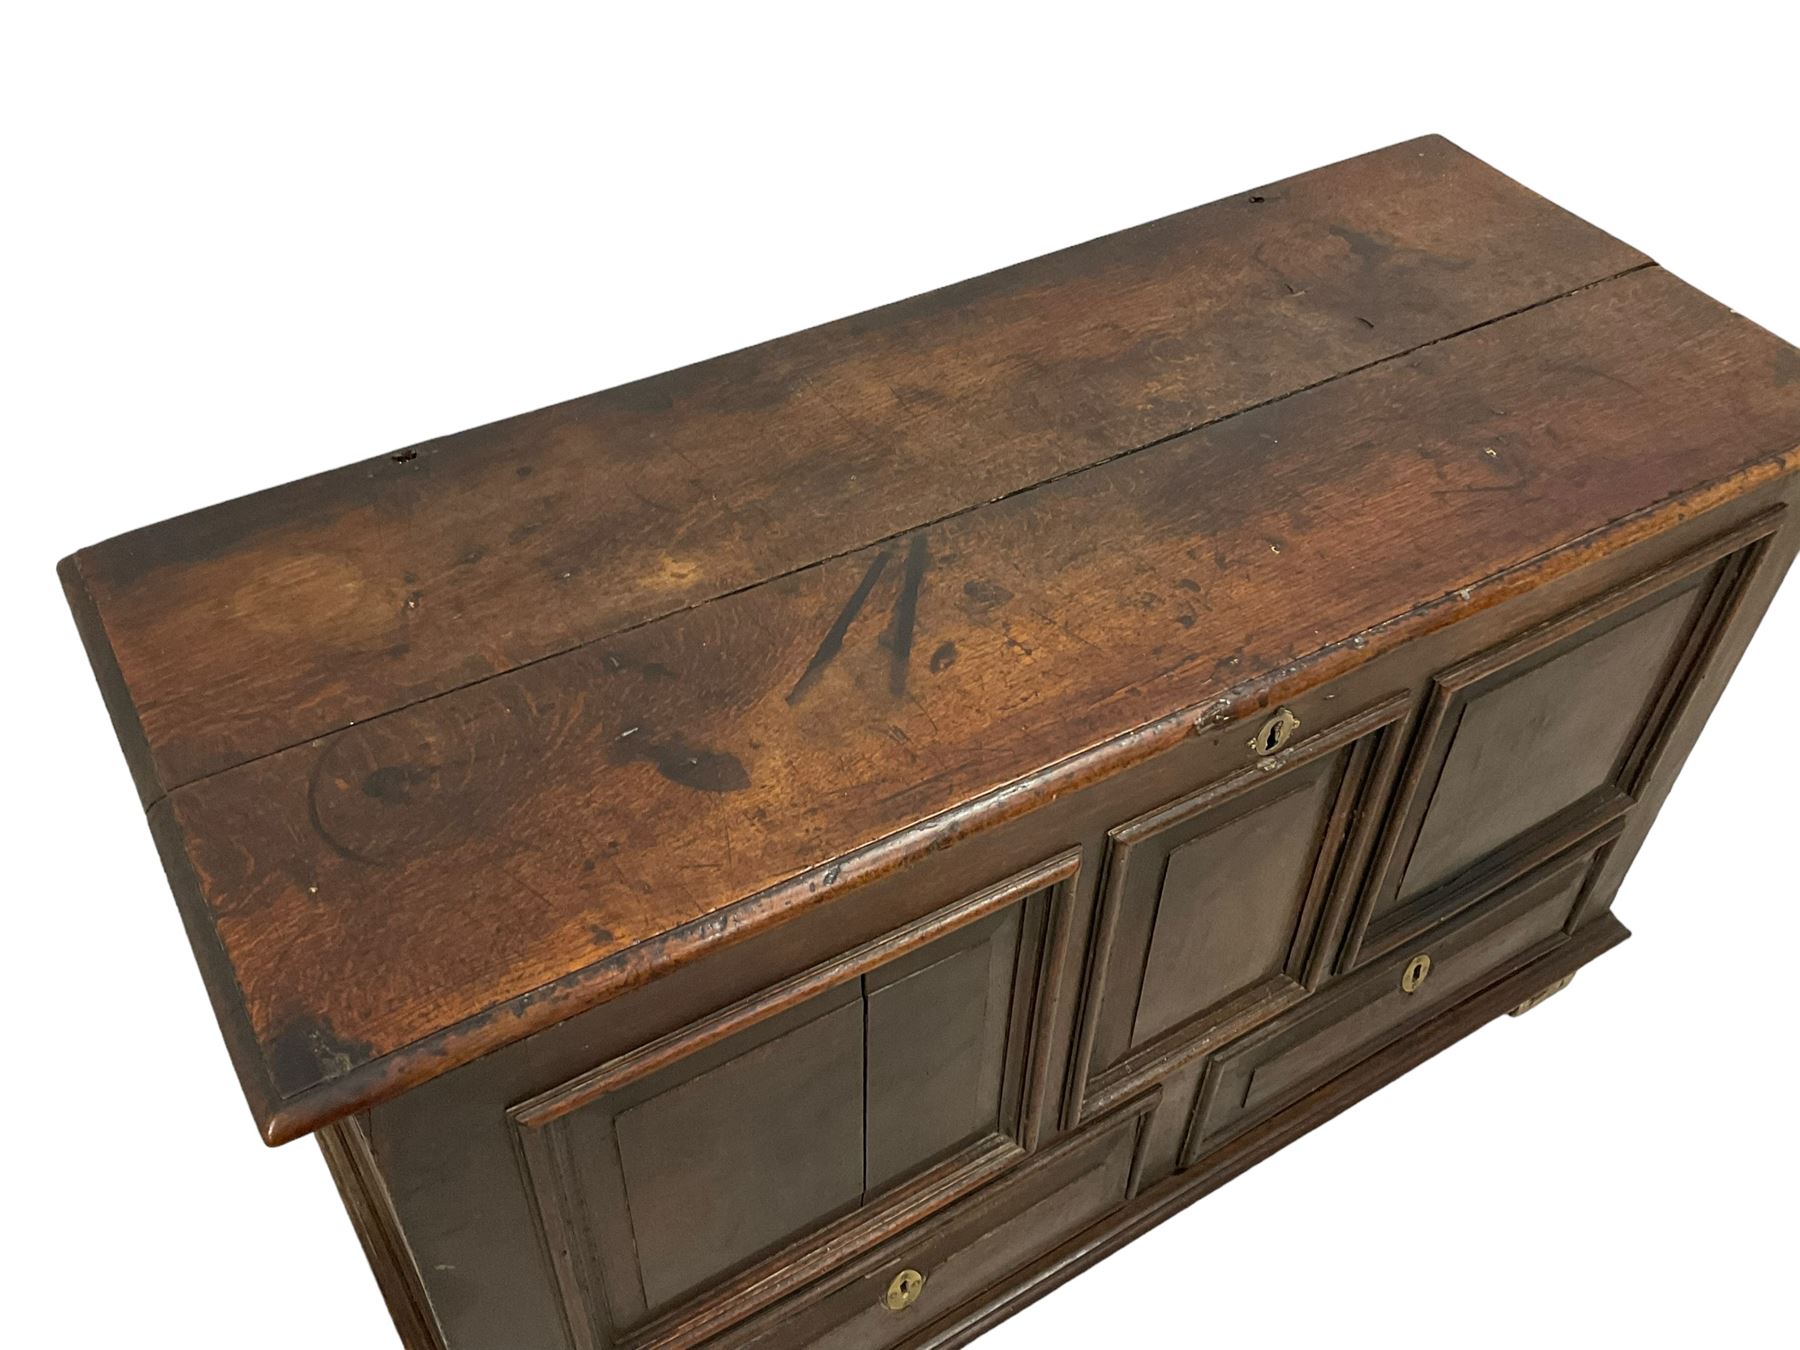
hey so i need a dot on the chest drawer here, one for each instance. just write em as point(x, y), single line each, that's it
point(903, 1292)
point(1335, 1029)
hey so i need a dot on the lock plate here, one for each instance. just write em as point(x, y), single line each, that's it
point(903, 1290)
point(1276, 732)
point(1414, 974)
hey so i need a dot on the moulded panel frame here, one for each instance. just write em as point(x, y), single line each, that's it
point(1369, 742)
point(1719, 569)
point(592, 1254)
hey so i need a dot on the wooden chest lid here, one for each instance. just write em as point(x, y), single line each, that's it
point(445, 746)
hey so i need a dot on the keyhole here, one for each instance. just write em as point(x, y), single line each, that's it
point(904, 1289)
point(1416, 971)
point(1274, 733)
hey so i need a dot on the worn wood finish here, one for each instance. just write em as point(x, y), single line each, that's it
point(275, 619)
point(787, 853)
point(606, 808)
point(456, 1180)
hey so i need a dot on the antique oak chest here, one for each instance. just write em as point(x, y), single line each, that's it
point(818, 847)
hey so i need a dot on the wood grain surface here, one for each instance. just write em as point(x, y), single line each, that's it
point(645, 672)
point(264, 622)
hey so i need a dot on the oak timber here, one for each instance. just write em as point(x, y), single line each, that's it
point(446, 746)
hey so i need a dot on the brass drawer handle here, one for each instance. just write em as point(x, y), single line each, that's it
point(1416, 971)
point(903, 1290)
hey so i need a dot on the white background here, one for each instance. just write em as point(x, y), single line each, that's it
point(246, 242)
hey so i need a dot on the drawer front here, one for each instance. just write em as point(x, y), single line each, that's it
point(1334, 1030)
point(894, 1295)
point(688, 1184)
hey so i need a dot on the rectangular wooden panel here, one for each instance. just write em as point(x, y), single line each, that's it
point(1213, 904)
point(684, 1185)
point(683, 1174)
point(1529, 748)
point(1228, 912)
point(937, 1042)
point(725, 1166)
point(1529, 744)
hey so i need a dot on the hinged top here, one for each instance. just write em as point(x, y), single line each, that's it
point(447, 745)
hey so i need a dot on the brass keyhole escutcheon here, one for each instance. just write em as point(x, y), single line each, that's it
point(904, 1289)
point(1276, 732)
point(1416, 971)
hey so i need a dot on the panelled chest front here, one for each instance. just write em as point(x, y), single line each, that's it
point(820, 846)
